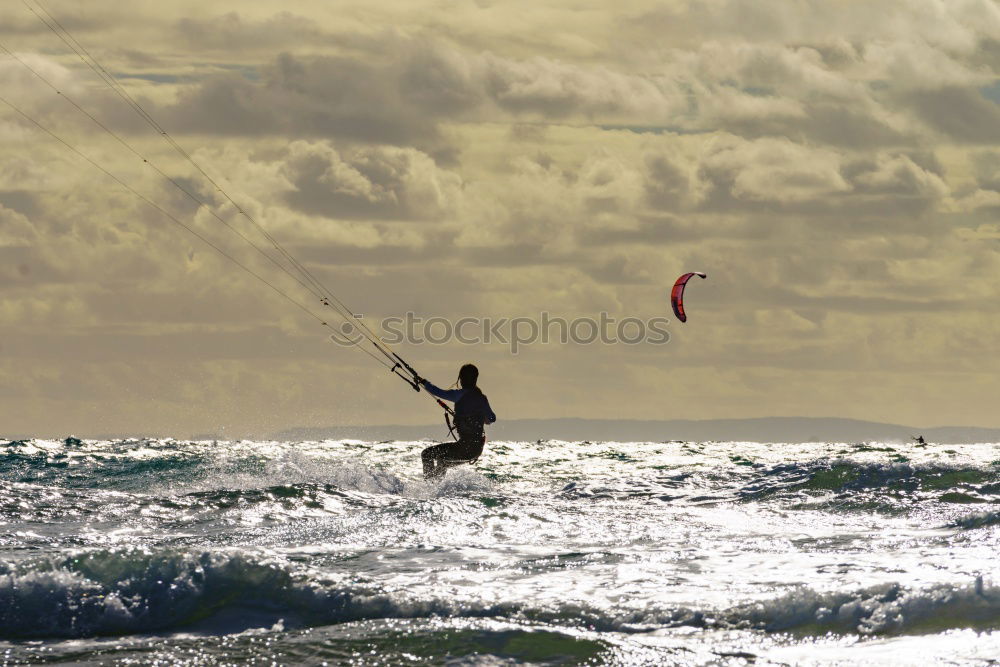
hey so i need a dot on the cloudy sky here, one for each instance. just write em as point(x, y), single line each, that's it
point(833, 166)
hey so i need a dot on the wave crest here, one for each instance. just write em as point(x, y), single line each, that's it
point(105, 593)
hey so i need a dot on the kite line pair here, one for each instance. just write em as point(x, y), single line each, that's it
point(276, 255)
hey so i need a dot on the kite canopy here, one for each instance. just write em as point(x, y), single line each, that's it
point(677, 294)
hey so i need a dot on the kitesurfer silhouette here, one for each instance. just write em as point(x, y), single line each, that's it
point(472, 413)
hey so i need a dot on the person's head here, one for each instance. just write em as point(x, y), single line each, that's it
point(468, 375)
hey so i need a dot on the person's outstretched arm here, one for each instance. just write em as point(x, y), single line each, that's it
point(446, 394)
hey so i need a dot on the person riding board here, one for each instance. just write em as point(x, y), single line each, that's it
point(472, 413)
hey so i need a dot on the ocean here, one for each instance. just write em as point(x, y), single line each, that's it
point(578, 553)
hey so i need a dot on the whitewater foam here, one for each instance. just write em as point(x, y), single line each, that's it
point(714, 550)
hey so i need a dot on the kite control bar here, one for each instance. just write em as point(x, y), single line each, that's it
point(414, 381)
point(401, 363)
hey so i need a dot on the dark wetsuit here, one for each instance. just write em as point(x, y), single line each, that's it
point(472, 413)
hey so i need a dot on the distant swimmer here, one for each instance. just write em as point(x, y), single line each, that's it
point(472, 413)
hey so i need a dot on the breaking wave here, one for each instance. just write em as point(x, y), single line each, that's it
point(855, 482)
point(880, 610)
point(941, 482)
point(103, 593)
point(977, 520)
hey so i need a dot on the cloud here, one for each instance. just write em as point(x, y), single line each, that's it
point(778, 90)
point(391, 88)
point(26, 91)
point(621, 269)
point(667, 184)
point(982, 232)
point(231, 32)
point(559, 90)
point(987, 168)
point(955, 26)
point(981, 199)
point(733, 108)
point(771, 170)
point(368, 183)
point(21, 21)
point(961, 114)
point(835, 172)
point(778, 175)
point(16, 231)
point(913, 65)
point(608, 183)
point(402, 88)
point(300, 97)
point(896, 175)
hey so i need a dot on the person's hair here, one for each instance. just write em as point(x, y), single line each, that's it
point(468, 375)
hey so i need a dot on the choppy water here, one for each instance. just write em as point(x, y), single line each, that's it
point(139, 552)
